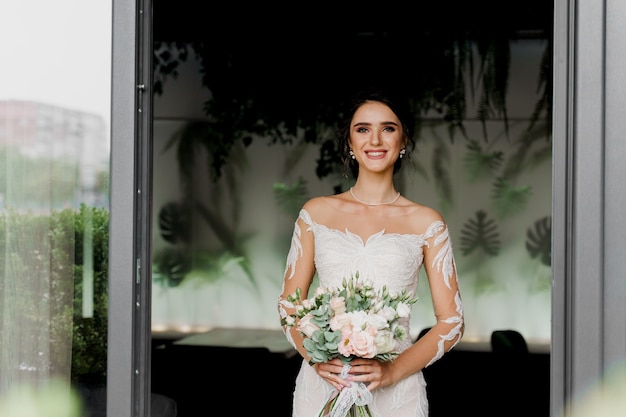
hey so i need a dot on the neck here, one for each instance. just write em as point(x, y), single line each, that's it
point(380, 202)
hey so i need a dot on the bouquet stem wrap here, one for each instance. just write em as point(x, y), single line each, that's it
point(356, 394)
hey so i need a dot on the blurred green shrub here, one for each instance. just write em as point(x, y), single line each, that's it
point(44, 262)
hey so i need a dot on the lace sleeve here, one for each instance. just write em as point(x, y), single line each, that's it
point(283, 307)
point(441, 270)
point(299, 271)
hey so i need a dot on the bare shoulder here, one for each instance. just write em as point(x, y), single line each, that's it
point(420, 217)
point(314, 203)
point(322, 207)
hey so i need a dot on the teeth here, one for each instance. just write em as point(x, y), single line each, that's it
point(375, 153)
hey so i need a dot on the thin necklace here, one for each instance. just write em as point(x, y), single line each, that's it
point(374, 204)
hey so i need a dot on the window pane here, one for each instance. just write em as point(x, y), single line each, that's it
point(54, 198)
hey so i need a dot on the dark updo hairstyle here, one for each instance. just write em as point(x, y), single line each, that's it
point(397, 103)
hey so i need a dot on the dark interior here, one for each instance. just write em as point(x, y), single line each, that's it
point(505, 381)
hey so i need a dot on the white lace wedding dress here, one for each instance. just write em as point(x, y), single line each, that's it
point(391, 259)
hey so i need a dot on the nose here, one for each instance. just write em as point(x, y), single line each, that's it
point(375, 138)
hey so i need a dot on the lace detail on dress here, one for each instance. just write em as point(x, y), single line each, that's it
point(282, 304)
point(389, 259)
point(295, 251)
point(455, 332)
point(444, 261)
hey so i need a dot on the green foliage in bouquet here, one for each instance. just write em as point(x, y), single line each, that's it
point(323, 345)
point(356, 306)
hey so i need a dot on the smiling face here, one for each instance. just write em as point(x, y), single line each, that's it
point(376, 137)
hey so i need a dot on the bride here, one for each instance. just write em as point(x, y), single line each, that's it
point(372, 230)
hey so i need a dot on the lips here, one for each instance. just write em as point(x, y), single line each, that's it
point(376, 154)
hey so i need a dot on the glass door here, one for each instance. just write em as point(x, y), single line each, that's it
point(55, 101)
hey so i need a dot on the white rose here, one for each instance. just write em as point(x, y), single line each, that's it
point(358, 319)
point(385, 342)
point(403, 309)
point(388, 312)
point(378, 321)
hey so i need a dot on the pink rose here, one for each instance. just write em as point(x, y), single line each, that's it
point(338, 305)
point(340, 321)
point(306, 325)
point(363, 344)
point(345, 346)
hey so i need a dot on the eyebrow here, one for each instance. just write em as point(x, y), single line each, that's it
point(382, 123)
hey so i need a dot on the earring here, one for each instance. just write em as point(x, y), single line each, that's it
point(402, 152)
point(351, 154)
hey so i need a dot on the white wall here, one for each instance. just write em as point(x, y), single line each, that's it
point(508, 291)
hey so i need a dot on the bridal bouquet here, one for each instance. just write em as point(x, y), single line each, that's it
point(354, 320)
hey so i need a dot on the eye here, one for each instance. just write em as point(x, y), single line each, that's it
point(361, 129)
point(389, 129)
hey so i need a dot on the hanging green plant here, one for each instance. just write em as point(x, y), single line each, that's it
point(265, 88)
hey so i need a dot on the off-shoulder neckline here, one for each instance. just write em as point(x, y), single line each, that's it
point(430, 230)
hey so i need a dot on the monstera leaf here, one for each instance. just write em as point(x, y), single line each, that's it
point(480, 233)
point(174, 222)
point(539, 240)
point(170, 266)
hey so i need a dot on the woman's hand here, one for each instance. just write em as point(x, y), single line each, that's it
point(330, 371)
point(371, 372)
